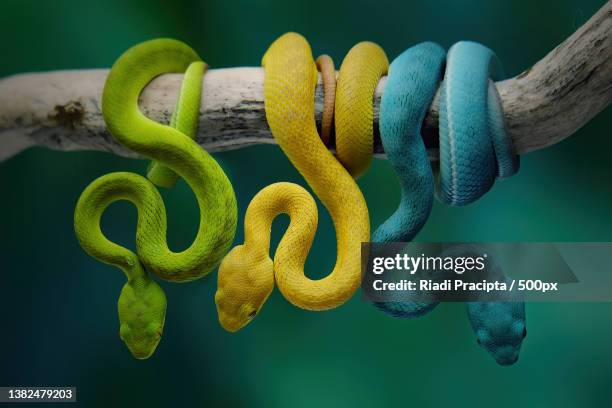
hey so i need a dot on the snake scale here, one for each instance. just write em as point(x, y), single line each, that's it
point(142, 303)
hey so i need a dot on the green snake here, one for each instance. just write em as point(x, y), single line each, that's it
point(142, 303)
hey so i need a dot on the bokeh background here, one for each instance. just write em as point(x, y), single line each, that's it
point(58, 306)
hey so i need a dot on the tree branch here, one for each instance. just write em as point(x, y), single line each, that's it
point(543, 105)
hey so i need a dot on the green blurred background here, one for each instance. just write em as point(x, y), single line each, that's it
point(59, 318)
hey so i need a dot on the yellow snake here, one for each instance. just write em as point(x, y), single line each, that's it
point(247, 274)
point(361, 69)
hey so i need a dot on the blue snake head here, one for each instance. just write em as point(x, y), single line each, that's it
point(142, 312)
point(500, 328)
point(246, 279)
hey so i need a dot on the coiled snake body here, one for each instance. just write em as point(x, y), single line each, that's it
point(473, 151)
point(142, 303)
point(247, 275)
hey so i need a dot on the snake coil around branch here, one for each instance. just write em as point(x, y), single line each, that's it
point(543, 105)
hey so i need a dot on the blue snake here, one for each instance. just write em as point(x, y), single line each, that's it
point(474, 151)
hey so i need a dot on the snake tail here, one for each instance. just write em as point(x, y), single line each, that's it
point(184, 119)
point(325, 65)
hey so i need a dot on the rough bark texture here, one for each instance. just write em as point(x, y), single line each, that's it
point(543, 105)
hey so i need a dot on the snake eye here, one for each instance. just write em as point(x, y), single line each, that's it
point(478, 341)
point(252, 314)
point(524, 332)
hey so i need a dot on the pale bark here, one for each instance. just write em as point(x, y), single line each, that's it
point(544, 105)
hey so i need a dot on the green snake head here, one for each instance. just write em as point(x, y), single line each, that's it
point(142, 311)
point(245, 281)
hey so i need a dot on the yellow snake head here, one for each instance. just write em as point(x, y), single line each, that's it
point(246, 279)
point(142, 312)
